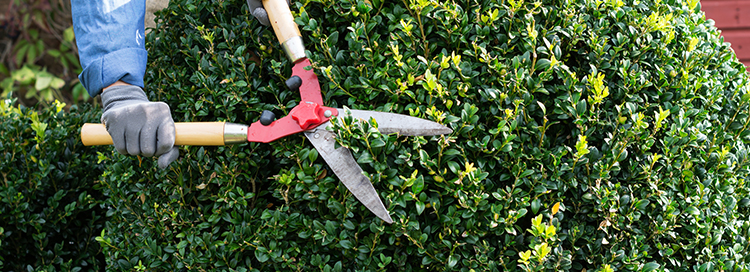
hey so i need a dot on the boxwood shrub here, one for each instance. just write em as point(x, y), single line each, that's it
point(598, 135)
point(50, 207)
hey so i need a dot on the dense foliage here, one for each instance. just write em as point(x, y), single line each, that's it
point(598, 135)
point(50, 208)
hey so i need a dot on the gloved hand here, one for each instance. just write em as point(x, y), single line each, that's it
point(138, 126)
point(257, 10)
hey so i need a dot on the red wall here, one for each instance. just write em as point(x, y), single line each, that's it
point(733, 18)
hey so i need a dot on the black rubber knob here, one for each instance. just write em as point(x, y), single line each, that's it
point(293, 83)
point(267, 117)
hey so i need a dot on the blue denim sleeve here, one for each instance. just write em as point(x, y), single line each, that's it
point(111, 42)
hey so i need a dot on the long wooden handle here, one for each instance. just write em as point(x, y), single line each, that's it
point(281, 19)
point(189, 133)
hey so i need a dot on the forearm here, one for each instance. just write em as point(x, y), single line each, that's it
point(111, 42)
point(117, 83)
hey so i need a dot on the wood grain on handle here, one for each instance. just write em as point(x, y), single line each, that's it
point(281, 19)
point(189, 133)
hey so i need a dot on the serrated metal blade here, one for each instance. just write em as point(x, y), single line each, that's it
point(405, 125)
point(347, 170)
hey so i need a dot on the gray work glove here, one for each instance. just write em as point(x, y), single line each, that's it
point(137, 126)
point(257, 10)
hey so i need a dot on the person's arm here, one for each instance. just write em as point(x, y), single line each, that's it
point(112, 50)
point(111, 42)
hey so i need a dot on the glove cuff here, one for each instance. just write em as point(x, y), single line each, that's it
point(121, 95)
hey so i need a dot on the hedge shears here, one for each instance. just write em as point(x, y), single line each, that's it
point(310, 117)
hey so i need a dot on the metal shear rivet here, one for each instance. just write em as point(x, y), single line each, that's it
point(327, 114)
point(317, 135)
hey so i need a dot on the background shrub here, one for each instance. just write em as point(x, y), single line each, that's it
point(38, 57)
point(50, 210)
point(597, 135)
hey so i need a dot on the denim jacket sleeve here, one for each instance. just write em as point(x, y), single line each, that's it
point(111, 42)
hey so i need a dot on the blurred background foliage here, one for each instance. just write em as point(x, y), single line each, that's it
point(38, 56)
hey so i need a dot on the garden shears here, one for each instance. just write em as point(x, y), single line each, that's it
point(310, 117)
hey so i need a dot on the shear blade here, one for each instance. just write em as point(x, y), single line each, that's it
point(347, 170)
point(404, 125)
point(346, 167)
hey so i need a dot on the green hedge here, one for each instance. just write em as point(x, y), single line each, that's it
point(50, 207)
point(598, 135)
